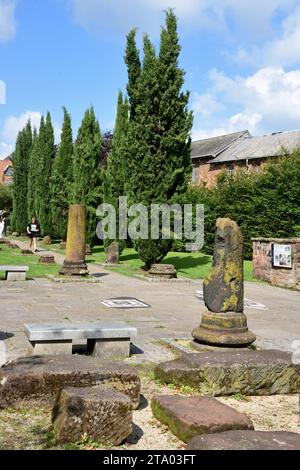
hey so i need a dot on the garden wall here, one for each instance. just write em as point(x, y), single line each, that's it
point(277, 260)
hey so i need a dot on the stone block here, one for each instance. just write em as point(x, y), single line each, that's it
point(190, 416)
point(247, 440)
point(218, 373)
point(109, 349)
point(165, 271)
point(44, 376)
point(47, 240)
point(53, 348)
point(16, 276)
point(47, 259)
point(104, 416)
point(112, 253)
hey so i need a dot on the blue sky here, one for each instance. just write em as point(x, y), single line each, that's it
point(242, 61)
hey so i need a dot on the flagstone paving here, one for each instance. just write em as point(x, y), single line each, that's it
point(175, 310)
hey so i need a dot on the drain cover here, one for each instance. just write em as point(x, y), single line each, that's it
point(247, 303)
point(124, 302)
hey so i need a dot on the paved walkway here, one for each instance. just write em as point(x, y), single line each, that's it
point(174, 310)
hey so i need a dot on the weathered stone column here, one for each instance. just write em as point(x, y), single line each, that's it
point(74, 264)
point(224, 323)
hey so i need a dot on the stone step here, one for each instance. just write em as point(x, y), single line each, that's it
point(247, 440)
point(104, 416)
point(45, 376)
point(190, 416)
point(221, 373)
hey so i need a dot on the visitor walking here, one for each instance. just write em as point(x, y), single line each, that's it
point(33, 230)
point(2, 226)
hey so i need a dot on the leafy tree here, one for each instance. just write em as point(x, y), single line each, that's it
point(61, 180)
point(88, 171)
point(6, 198)
point(20, 184)
point(158, 140)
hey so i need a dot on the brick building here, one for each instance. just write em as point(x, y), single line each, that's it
point(231, 152)
point(6, 171)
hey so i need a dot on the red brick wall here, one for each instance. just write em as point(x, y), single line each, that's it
point(264, 270)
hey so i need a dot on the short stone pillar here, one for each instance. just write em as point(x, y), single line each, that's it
point(224, 323)
point(74, 264)
point(112, 253)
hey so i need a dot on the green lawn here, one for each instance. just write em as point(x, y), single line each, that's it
point(190, 265)
point(12, 257)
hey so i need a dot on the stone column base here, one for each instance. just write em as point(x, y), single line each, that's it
point(50, 348)
point(224, 329)
point(74, 269)
point(109, 348)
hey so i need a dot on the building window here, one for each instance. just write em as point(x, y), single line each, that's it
point(195, 177)
point(230, 169)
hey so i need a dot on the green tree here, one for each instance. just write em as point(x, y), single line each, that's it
point(115, 176)
point(61, 180)
point(158, 142)
point(47, 153)
point(20, 181)
point(33, 170)
point(88, 171)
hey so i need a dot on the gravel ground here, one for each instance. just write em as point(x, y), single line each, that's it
point(28, 425)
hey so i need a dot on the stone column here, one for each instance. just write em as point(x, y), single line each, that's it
point(74, 264)
point(224, 323)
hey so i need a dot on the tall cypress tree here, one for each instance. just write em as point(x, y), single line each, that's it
point(158, 142)
point(20, 184)
point(88, 172)
point(115, 176)
point(61, 180)
point(47, 154)
point(33, 169)
point(133, 63)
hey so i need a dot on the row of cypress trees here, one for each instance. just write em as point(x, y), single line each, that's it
point(149, 158)
point(47, 178)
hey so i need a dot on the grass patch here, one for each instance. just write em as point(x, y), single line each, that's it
point(189, 265)
point(13, 257)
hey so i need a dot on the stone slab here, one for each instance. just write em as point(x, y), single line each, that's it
point(70, 331)
point(221, 373)
point(14, 269)
point(247, 440)
point(44, 376)
point(109, 349)
point(43, 348)
point(105, 416)
point(190, 416)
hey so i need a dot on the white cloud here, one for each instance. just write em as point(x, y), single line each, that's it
point(7, 20)
point(121, 15)
point(5, 150)
point(14, 124)
point(267, 101)
point(2, 92)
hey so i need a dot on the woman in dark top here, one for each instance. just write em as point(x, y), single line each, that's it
point(33, 230)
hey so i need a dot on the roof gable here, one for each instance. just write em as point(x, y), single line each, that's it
point(213, 146)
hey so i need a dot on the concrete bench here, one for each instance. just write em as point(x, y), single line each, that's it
point(15, 273)
point(104, 339)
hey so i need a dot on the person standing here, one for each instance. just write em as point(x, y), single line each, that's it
point(33, 230)
point(2, 227)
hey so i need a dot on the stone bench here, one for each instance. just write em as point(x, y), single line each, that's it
point(15, 273)
point(108, 340)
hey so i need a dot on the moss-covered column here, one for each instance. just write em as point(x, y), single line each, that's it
point(224, 323)
point(74, 264)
